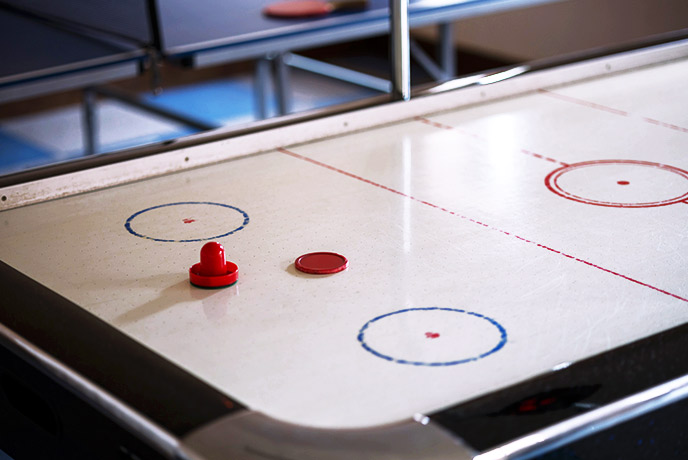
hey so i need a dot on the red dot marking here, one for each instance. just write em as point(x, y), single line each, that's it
point(188, 221)
point(431, 335)
point(623, 182)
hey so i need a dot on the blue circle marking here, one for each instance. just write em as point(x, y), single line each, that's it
point(127, 224)
point(496, 348)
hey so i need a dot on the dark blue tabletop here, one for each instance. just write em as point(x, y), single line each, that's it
point(210, 30)
point(194, 26)
point(200, 25)
point(120, 17)
point(31, 50)
point(203, 25)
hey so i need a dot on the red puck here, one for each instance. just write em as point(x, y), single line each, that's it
point(321, 263)
point(213, 271)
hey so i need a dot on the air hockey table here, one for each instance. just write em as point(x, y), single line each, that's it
point(517, 251)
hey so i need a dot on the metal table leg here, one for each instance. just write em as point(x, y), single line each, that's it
point(446, 51)
point(89, 122)
point(261, 88)
point(282, 86)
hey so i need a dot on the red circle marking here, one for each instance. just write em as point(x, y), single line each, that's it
point(551, 181)
point(623, 182)
point(321, 263)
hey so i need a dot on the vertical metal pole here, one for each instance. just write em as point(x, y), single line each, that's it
point(447, 56)
point(400, 53)
point(154, 48)
point(155, 36)
point(261, 88)
point(282, 86)
point(89, 121)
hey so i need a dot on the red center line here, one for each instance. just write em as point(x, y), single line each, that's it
point(452, 128)
point(384, 187)
point(666, 125)
point(605, 108)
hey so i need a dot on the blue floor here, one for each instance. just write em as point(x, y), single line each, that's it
point(216, 102)
point(17, 154)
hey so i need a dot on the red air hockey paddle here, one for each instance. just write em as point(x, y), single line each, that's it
point(310, 8)
point(213, 271)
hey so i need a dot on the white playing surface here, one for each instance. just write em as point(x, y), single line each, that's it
point(467, 273)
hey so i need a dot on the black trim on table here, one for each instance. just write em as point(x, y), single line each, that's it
point(181, 403)
point(507, 414)
point(132, 373)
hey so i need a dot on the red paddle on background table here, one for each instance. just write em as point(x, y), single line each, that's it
point(309, 8)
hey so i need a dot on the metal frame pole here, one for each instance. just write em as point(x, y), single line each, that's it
point(400, 50)
point(261, 88)
point(282, 85)
point(446, 52)
point(89, 122)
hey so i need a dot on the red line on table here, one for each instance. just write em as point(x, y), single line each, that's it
point(436, 124)
point(584, 103)
point(542, 157)
point(605, 108)
point(452, 128)
point(666, 125)
point(432, 205)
